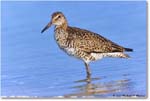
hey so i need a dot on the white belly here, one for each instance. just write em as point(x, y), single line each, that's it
point(70, 51)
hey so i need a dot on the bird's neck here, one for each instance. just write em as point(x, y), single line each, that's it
point(62, 26)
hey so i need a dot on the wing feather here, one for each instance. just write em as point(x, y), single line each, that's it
point(91, 42)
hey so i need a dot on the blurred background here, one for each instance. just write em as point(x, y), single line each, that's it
point(32, 65)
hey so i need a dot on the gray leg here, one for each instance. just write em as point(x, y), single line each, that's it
point(88, 71)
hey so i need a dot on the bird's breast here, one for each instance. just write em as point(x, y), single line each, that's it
point(61, 38)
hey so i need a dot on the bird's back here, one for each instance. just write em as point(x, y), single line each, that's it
point(91, 42)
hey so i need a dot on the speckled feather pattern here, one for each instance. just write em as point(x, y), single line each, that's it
point(86, 45)
point(83, 44)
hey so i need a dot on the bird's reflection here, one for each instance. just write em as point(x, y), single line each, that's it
point(96, 87)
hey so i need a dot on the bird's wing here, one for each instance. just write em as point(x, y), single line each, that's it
point(91, 42)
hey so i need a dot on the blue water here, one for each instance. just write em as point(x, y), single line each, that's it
point(32, 65)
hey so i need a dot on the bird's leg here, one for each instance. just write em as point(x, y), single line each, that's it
point(88, 71)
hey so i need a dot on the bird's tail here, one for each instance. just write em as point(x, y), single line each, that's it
point(128, 49)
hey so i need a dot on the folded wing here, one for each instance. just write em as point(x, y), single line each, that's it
point(91, 42)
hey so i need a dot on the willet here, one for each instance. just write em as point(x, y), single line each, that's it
point(83, 44)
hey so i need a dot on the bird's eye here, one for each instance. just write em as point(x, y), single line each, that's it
point(59, 16)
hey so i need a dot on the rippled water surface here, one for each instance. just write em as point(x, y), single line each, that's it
point(34, 66)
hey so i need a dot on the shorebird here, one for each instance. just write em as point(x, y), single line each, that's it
point(83, 44)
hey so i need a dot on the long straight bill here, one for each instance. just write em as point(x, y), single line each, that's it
point(46, 27)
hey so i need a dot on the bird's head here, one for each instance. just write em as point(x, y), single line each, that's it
point(57, 19)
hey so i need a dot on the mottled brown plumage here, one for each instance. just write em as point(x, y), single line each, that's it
point(83, 44)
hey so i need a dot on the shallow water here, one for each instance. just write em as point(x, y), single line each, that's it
point(34, 66)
